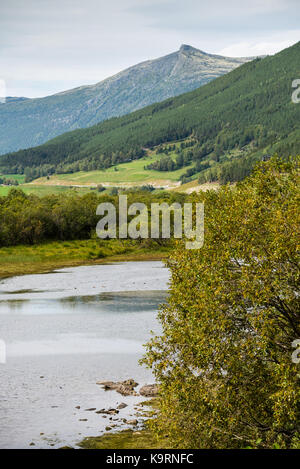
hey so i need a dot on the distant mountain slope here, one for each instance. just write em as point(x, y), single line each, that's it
point(32, 122)
point(14, 99)
point(249, 108)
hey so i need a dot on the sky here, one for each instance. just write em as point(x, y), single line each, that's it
point(47, 46)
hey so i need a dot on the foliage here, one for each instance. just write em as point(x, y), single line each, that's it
point(8, 182)
point(29, 219)
point(224, 357)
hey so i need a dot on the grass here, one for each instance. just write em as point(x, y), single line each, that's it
point(41, 190)
point(132, 172)
point(20, 260)
point(17, 177)
point(128, 174)
point(4, 190)
point(127, 439)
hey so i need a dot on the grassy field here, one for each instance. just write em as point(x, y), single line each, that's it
point(132, 172)
point(128, 174)
point(16, 177)
point(19, 260)
point(43, 190)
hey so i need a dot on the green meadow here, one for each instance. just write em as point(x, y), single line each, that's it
point(43, 189)
point(131, 172)
point(20, 178)
point(24, 259)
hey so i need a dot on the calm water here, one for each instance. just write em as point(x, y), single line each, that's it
point(64, 331)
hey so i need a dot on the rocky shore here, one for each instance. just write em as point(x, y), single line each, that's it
point(122, 433)
point(127, 388)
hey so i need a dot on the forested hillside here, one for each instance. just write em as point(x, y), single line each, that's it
point(231, 121)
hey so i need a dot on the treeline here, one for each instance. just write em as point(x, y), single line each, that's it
point(208, 158)
point(29, 219)
point(183, 158)
point(250, 106)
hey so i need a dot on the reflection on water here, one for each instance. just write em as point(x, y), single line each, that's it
point(118, 301)
point(20, 292)
point(59, 345)
point(103, 302)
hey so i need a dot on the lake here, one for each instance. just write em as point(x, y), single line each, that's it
point(64, 331)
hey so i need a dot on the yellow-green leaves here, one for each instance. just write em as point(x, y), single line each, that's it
point(224, 358)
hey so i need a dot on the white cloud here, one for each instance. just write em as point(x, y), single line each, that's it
point(2, 91)
point(263, 47)
point(49, 46)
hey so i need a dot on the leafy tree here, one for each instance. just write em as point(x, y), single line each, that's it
point(223, 360)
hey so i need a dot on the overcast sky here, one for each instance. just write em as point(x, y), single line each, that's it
point(48, 46)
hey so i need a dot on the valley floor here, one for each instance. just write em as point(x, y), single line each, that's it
point(41, 187)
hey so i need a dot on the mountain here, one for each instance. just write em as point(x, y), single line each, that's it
point(14, 99)
point(228, 123)
point(32, 122)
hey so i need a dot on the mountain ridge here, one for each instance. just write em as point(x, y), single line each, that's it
point(31, 122)
point(231, 121)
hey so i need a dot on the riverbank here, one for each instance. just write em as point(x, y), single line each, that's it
point(127, 439)
point(41, 258)
point(94, 319)
point(144, 438)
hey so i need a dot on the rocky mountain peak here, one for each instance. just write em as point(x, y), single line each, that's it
point(186, 49)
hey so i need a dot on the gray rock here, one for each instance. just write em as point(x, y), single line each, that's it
point(122, 405)
point(126, 388)
point(132, 422)
point(108, 412)
point(149, 390)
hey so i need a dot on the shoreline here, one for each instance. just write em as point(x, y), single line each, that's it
point(36, 259)
point(143, 438)
point(139, 436)
point(125, 439)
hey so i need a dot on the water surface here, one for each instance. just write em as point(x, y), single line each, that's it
point(64, 331)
